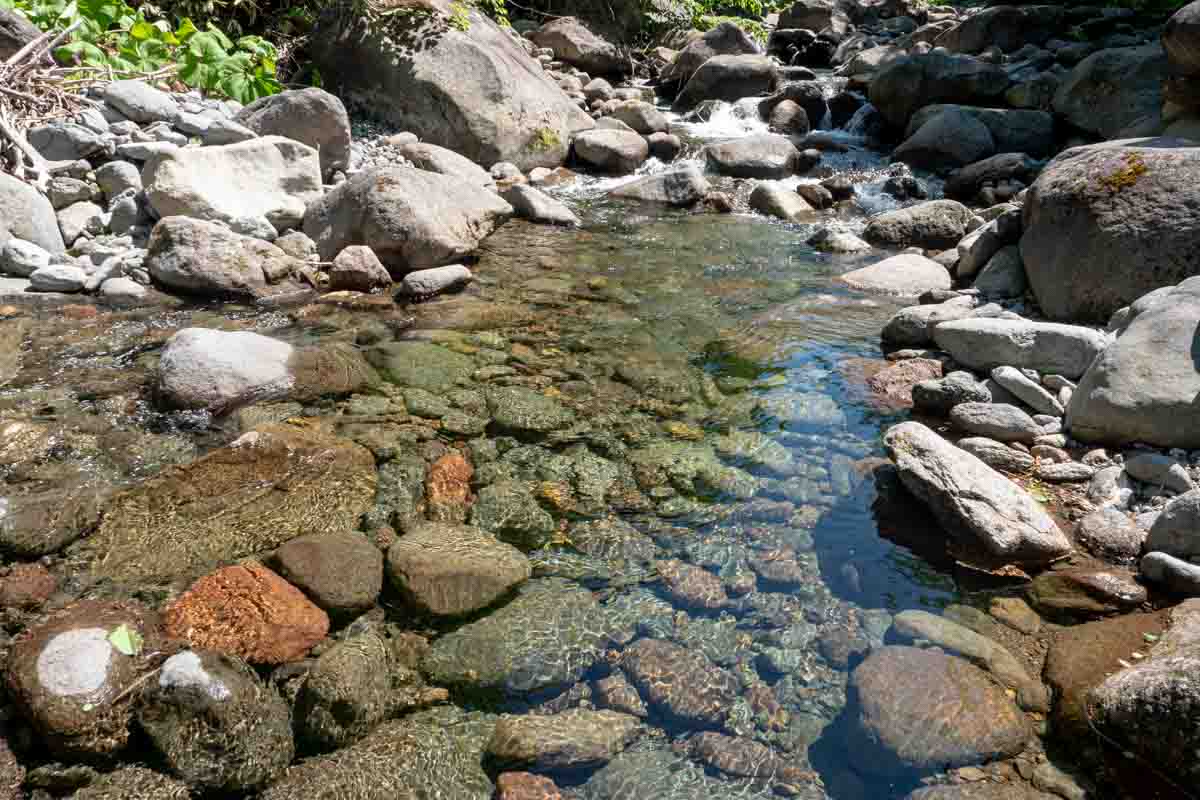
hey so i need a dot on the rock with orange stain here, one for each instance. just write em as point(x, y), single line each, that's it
point(248, 611)
point(26, 586)
point(448, 488)
point(525, 786)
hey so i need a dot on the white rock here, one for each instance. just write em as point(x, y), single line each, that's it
point(21, 258)
point(219, 370)
point(58, 278)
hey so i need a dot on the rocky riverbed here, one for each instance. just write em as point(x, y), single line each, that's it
point(811, 421)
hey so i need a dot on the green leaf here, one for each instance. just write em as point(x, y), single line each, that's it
point(224, 40)
point(142, 30)
point(126, 639)
point(185, 30)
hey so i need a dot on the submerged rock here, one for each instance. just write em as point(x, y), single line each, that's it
point(573, 739)
point(341, 572)
point(134, 783)
point(679, 683)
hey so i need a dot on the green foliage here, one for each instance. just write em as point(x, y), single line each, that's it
point(662, 16)
point(755, 28)
point(460, 17)
point(117, 39)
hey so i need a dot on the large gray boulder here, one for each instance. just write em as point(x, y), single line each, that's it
point(205, 258)
point(1181, 39)
point(905, 85)
point(1006, 27)
point(26, 214)
point(615, 151)
point(1106, 223)
point(217, 370)
point(726, 39)
point(1153, 707)
point(1111, 90)
point(984, 512)
point(140, 102)
point(312, 116)
point(1047, 347)
point(1176, 531)
point(767, 156)
point(677, 187)
point(269, 177)
point(1144, 387)
point(729, 78)
point(907, 275)
point(949, 139)
point(475, 91)
point(813, 15)
point(411, 218)
point(1012, 130)
point(933, 225)
point(433, 158)
point(776, 200)
point(965, 183)
point(573, 43)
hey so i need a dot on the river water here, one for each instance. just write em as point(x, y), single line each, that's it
point(683, 334)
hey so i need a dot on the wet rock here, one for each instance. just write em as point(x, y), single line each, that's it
point(618, 694)
point(1082, 656)
point(894, 385)
point(425, 755)
point(356, 684)
point(1174, 574)
point(664, 146)
point(728, 78)
point(1110, 533)
point(680, 187)
point(680, 683)
point(248, 611)
point(691, 586)
point(269, 486)
point(269, 177)
point(1046, 347)
point(757, 450)
point(997, 421)
point(1175, 532)
point(1016, 614)
point(614, 151)
point(356, 269)
point(44, 522)
point(776, 201)
point(980, 791)
point(932, 225)
point(765, 156)
point(950, 139)
point(508, 511)
point(26, 586)
point(73, 675)
point(450, 570)
point(547, 636)
point(997, 455)
point(378, 208)
point(204, 258)
point(923, 710)
point(1154, 707)
point(740, 757)
point(425, 283)
point(834, 240)
point(448, 488)
point(907, 275)
point(522, 410)
point(789, 118)
point(215, 723)
point(815, 195)
point(978, 506)
point(525, 786)
point(133, 783)
point(421, 365)
point(219, 370)
point(312, 116)
point(573, 739)
point(341, 572)
point(941, 396)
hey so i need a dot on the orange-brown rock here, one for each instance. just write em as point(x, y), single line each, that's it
point(525, 786)
point(448, 488)
point(26, 586)
point(248, 611)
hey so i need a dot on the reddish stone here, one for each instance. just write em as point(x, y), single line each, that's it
point(248, 611)
point(26, 586)
point(889, 385)
point(448, 488)
point(79, 312)
point(525, 786)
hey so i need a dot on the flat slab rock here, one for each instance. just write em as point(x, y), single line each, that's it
point(979, 507)
point(681, 683)
point(569, 740)
point(924, 710)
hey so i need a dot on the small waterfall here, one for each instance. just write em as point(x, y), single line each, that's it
point(857, 124)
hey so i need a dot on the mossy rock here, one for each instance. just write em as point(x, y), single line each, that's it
point(134, 783)
point(421, 365)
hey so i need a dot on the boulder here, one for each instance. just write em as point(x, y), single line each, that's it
point(358, 269)
point(65, 141)
point(1160, 471)
point(1095, 205)
point(789, 118)
point(964, 184)
point(74, 675)
point(997, 455)
point(574, 44)
point(1082, 592)
point(26, 214)
point(767, 156)
point(980, 508)
point(615, 151)
point(215, 723)
point(537, 206)
point(921, 710)
point(907, 275)
point(1111, 90)
point(947, 140)
point(219, 370)
point(905, 85)
point(1153, 707)
point(247, 611)
point(140, 102)
point(341, 572)
point(1029, 391)
point(1004, 275)
point(939, 396)
point(643, 117)
point(932, 225)
point(269, 177)
point(573, 739)
point(914, 326)
point(1119, 401)
point(677, 187)
point(680, 683)
point(425, 283)
point(980, 791)
point(15, 32)
point(206, 258)
point(1176, 530)
point(410, 218)
point(1173, 574)
point(809, 95)
point(57, 278)
point(726, 39)
point(1181, 40)
point(451, 570)
point(469, 87)
point(1110, 533)
point(983, 344)
point(1012, 130)
point(813, 15)
point(999, 421)
point(775, 200)
point(311, 116)
point(728, 78)
point(269, 486)
point(1006, 27)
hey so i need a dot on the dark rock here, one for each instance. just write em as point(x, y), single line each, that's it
point(680, 683)
point(341, 572)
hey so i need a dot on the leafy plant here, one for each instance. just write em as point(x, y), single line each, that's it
point(112, 37)
point(460, 17)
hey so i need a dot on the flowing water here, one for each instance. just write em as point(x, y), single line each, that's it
point(678, 334)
